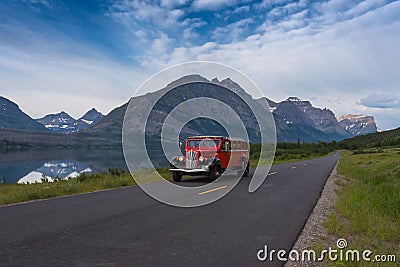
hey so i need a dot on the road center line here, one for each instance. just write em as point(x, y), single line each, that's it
point(272, 173)
point(212, 190)
point(294, 167)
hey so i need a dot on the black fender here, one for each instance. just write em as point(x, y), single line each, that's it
point(215, 163)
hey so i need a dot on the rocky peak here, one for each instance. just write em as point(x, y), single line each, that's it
point(62, 122)
point(235, 87)
point(187, 79)
point(298, 102)
point(92, 117)
point(357, 124)
point(12, 117)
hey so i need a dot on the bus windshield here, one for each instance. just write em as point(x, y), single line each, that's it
point(205, 143)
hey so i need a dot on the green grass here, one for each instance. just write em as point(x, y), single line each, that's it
point(367, 212)
point(291, 152)
point(14, 193)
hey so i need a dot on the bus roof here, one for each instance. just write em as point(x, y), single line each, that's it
point(216, 137)
point(205, 136)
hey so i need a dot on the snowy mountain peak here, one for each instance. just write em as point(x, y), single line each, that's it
point(62, 122)
point(92, 117)
point(298, 102)
point(350, 116)
point(357, 124)
point(294, 99)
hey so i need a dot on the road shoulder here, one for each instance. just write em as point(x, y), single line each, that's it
point(314, 232)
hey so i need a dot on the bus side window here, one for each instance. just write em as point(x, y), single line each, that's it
point(239, 145)
point(226, 146)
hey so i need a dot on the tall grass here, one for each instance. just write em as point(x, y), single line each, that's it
point(13, 193)
point(367, 212)
point(289, 152)
point(114, 178)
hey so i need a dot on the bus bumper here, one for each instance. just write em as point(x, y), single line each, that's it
point(190, 170)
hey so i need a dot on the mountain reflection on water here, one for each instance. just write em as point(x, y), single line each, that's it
point(61, 169)
point(32, 165)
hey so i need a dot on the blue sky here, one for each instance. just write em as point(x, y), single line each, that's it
point(73, 55)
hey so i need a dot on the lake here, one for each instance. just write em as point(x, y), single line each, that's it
point(34, 164)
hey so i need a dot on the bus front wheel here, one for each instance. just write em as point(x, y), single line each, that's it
point(177, 176)
point(212, 175)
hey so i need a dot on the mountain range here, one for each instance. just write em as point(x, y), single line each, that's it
point(295, 119)
point(63, 123)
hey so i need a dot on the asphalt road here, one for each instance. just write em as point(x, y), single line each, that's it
point(125, 227)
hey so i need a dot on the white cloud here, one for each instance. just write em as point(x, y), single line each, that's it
point(379, 100)
point(340, 52)
point(351, 58)
point(233, 31)
point(173, 3)
point(241, 9)
point(212, 5)
point(130, 12)
point(39, 3)
point(49, 84)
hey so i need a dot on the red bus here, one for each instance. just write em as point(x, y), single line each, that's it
point(211, 155)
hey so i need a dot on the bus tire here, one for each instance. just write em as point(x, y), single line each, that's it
point(212, 175)
point(246, 170)
point(177, 176)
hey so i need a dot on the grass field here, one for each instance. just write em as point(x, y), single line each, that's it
point(367, 212)
point(14, 193)
point(291, 152)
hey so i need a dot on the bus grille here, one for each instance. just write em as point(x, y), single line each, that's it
point(191, 157)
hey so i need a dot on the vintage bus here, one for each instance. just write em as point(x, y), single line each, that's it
point(211, 155)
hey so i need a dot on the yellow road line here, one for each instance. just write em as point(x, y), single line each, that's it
point(272, 173)
point(294, 167)
point(212, 190)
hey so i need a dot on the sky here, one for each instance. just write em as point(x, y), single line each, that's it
point(74, 55)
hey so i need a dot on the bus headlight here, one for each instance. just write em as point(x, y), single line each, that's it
point(181, 158)
point(201, 158)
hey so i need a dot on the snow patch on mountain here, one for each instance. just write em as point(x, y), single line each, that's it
point(63, 123)
point(358, 124)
